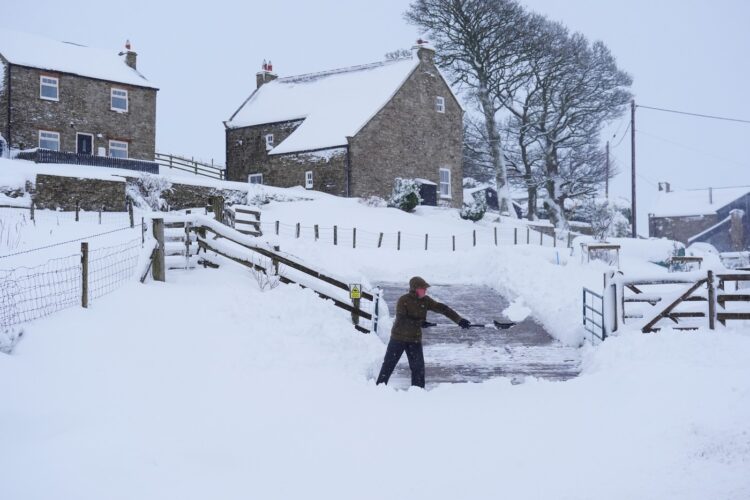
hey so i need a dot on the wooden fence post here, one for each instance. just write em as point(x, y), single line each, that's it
point(84, 274)
point(158, 270)
point(474, 237)
point(570, 240)
point(454, 242)
point(277, 228)
point(528, 235)
point(354, 237)
point(218, 206)
point(541, 238)
point(711, 301)
point(515, 236)
point(495, 235)
point(143, 231)
point(425, 240)
point(130, 214)
point(398, 241)
point(554, 238)
point(317, 232)
point(100, 214)
point(32, 213)
point(335, 235)
point(296, 231)
point(380, 240)
point(78, 208)
point(355, 313)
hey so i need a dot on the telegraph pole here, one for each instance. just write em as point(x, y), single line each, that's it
point(632, 167)
point(606, 180)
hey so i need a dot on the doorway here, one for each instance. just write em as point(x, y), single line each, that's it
point(84, 143)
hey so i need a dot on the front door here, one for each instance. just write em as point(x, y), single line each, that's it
point(84, 144)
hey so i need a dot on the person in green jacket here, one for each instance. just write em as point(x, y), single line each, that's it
point(406, 334)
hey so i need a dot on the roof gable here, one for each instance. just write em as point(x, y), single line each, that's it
point(334, 104)
point(24, 49)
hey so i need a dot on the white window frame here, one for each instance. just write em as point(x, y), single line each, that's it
point(447, 185)
point(112, 98)
point(53, 82)
point(269, 141)
point(255, 179)
point(57, 135)
point(309, 179)
point(440, 104)
point(118, 147)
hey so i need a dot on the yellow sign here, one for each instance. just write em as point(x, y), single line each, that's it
point(355, 291)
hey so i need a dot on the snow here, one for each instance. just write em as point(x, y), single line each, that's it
point(695, 203)
point(334, 104)
point(25, 49)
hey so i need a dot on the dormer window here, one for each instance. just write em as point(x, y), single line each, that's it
point(49, 88)
point(440, 104)
point(269, 142)
point(119, 100)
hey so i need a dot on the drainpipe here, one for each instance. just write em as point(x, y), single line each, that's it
point(8, 129)
point(348, 168)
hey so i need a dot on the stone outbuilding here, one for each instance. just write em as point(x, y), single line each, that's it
point(66, 97)
point(351, 131)
point(719, 216)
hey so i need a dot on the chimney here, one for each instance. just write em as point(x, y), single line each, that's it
point(265, 75)
point(425, 52)
point(665, 186)
point(130, 56)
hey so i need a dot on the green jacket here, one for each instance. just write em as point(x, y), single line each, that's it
point(411, 312)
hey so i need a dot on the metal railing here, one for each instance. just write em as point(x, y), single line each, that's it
point(593, 314)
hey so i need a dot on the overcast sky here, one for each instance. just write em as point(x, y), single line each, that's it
point(689, 55)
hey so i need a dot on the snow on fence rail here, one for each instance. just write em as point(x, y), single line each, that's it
point(353, 237)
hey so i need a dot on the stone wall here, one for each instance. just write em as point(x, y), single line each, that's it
point(83, 107)
point(409, 138)
point(182, 196)
point(680, 228)
point(4, 99)
point(246, 149)
point(55, 192)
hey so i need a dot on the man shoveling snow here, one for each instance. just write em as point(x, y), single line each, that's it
point(406, 334)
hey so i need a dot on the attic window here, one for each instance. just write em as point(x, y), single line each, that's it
point(440, 104)
point(49, 88)
point(119, 100)
point(269, 142)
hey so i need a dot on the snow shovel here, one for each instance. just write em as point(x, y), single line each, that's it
point(498, 325)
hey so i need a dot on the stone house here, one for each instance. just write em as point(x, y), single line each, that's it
point(67, 97)
point(719, 216)
point(351, 131)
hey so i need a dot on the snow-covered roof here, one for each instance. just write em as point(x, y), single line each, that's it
point(334, 104)
point(698, 202)
point(34, 51)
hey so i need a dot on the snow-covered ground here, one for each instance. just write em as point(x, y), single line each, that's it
point(204, 386)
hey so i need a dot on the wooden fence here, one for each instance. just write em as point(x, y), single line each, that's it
point(190, 165)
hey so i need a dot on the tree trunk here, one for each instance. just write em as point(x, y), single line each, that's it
point(496, 152)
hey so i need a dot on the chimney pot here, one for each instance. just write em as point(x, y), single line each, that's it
point(265, 75)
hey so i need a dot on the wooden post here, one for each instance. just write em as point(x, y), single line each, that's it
point(528, 235)
point(187, 243)
point(78, 208)
point(425, 240)
point(296, 231)
point(317, 232)
point(32, 213)
point(474, 237)
point(143, 231)
point(495, 228)
point(380, 240)
point(541, 238)
point(218, 206)
point(570, 240)
point(454, 242)
point(515, 236)
point(100, 215)
point(355, 314)
point(335, 235)
point(711, 301)
point(398, 241)
point(158, 269)
point(130, 214)
point(554, 238)
point(275, 261)
point(354, 237)
point(277, 228)
point(84, 274)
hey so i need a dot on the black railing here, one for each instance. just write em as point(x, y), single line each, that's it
point(49, 156)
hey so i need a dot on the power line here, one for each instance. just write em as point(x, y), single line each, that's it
point(713, 117)
point(623, 136)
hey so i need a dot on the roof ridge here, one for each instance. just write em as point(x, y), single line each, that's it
point(337, 71)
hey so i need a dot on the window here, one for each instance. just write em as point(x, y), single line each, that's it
point(49, 140)
point(440, 104)
point(49, 88)
point(269, 142)
point(255, 179)
point(118, 149)
point(308, 179)
point(445, 183)
point(119, 100)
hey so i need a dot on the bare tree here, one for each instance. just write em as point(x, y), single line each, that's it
point(481, 44)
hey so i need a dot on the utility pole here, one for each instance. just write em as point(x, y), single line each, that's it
point(632, 167)
point(606, 180)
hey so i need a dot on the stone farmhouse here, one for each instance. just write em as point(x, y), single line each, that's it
point(352, 131)
point(719, 216)
point(66, 97)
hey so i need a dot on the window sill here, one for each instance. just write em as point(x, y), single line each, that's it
point(120, 111)
point(49, 99)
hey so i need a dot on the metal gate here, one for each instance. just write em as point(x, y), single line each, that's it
point(593, 314)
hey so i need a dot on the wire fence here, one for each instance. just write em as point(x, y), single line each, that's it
point(482, 236)
point(29, 293)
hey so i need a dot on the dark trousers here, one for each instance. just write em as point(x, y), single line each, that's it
point(413, 353)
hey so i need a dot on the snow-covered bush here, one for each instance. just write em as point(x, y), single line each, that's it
point(475, 210)
point(374, 201)
point(146, 191)
point(405, 195)
point(607, 218)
